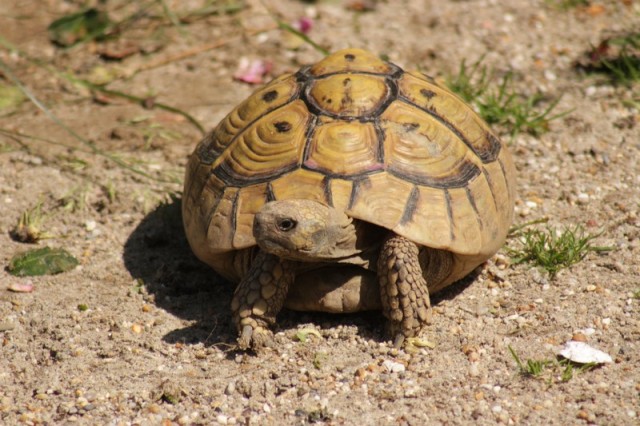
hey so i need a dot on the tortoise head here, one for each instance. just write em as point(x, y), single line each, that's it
point(304, 230)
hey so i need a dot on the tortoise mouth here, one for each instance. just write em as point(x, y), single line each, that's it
point(286, 249)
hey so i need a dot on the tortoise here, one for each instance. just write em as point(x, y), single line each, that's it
point(349, 185)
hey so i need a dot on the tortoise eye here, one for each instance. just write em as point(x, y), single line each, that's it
point(287, 224)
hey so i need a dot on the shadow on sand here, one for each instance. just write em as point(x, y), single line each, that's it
point(158, 254)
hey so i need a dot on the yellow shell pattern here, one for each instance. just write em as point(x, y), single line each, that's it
point(389, 147)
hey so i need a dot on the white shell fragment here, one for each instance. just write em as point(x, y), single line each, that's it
point(393, 367)
point(582, 353)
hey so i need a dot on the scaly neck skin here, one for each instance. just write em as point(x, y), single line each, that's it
point(307, 230)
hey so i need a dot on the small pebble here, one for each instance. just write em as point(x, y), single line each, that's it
point(582, 415)
point(393, 367)
point(474, 370)
point(579, 337)
point(583, 198)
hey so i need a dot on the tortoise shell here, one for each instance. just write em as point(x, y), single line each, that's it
point(389, 147)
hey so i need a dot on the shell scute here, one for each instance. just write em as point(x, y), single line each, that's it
point(269, 98)
point(351, 60)
point(267, 148)
point(348, 95)
point(344, 148)
point(452, 112)
point(420, 148)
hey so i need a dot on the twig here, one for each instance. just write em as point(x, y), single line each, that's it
point(195, 51)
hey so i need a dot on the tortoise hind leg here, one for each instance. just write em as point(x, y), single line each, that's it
point(259, 297)
point(404, 287)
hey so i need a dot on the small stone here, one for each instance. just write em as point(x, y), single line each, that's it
point(582, 415)
point(474, 370)
point(590, 288)
point(393, 367)
point(136, 328)
point(230, 389)
point(583, 198)
point(579, 337)
point(154, 408)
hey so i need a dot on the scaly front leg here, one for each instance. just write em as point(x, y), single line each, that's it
point(259, 297)
point(403, 289)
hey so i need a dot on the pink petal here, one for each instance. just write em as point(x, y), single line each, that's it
point(252, 72)
point(303, 24)
point(26, 287)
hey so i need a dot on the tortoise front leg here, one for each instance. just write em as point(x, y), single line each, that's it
point(403, 287)
point(259, 297)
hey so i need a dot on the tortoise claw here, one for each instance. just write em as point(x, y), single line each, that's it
point(254, 338)
point(398, 341)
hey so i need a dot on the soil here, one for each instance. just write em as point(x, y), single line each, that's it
point(139, 332)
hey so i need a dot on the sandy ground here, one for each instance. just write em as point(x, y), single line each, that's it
point(155, 345)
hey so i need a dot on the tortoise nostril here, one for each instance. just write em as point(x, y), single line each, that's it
point(286, 224)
